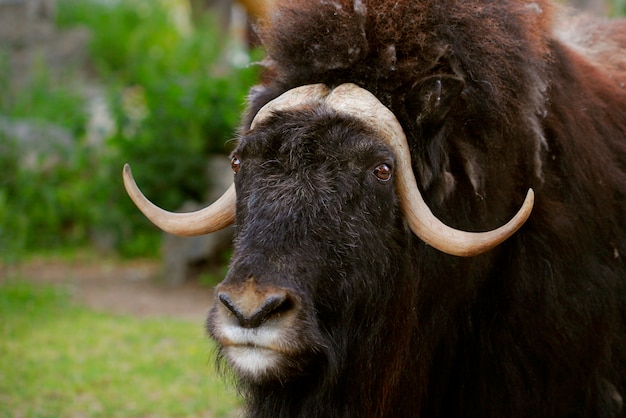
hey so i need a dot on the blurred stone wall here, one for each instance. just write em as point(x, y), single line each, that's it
point(26, 21)
point(28, 34)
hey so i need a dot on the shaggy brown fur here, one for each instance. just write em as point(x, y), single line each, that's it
point(534, 328)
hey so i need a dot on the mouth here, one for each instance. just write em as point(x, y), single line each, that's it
point(252, 338)
point(271, 351)
point(251, 360)
point(254, 353)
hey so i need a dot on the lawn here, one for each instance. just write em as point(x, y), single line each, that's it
point(58, 359)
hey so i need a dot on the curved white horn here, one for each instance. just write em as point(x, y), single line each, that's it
point(355, 101)
point(293, 99)
point(210, 219)
point(360, 103)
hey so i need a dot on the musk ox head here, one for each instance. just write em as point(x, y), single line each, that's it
point(325, 202)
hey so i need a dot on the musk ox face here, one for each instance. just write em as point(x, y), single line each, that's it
point(318, 233)
point(326, 204)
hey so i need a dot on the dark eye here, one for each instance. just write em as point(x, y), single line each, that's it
point(235, 163)
point(382, 172)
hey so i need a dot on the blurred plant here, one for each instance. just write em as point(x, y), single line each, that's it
point(172, 101)
point(171, 104)
point(41, 187)
point(42, 98)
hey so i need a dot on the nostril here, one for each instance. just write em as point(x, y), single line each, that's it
point(255, 315)
point(226, 301)
point(273, 306)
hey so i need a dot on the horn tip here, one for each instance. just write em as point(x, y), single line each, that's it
point(530, 199)
point(130, 185)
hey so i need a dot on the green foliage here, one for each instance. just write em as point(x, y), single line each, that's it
point(42, 98)
point(169, 75)
point(173, 98)
point(40, 186)
point(618, 7)
point(60, 360)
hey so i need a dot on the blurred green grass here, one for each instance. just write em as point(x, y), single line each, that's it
point(58, 359)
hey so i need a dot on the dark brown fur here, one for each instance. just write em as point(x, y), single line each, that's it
point(534, 328)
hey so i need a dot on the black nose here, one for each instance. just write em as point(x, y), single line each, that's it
point(253, 313)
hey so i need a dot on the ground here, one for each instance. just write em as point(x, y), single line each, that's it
point(119, 286)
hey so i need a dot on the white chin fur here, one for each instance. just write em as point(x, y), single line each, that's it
point(253, 362)
point(266, 336)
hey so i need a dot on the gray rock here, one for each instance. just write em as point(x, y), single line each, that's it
point(37, 145)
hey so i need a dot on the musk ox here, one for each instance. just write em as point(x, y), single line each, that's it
point(430, 209)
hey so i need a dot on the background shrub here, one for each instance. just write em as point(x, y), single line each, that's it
point(173, 99)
